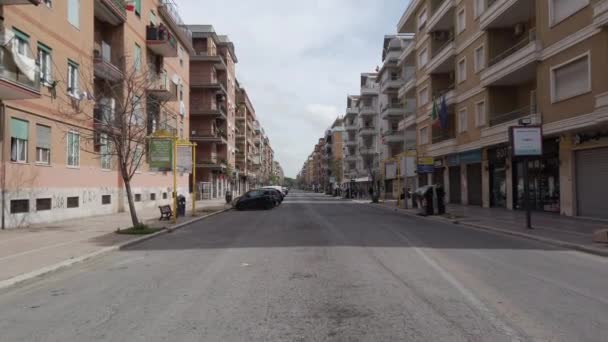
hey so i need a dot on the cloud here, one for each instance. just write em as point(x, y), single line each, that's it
point(299, 59)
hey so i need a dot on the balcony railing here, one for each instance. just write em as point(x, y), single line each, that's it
point(449, 40)
point(14, 83)
point(161, 41)
point(440, 135)
point(161, 87)
point(530, 37)
point(112, 12)
point(168, 9)
point(104, 66)
point(497, 119)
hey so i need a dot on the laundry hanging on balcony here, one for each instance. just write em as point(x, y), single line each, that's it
point(25, 64)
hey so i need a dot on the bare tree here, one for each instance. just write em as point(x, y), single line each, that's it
point(109, 109)
point(369, 162)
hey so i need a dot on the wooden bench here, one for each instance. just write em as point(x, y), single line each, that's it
point(165, 212)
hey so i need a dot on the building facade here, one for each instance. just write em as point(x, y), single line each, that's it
point(57, 59)
point(483, 66)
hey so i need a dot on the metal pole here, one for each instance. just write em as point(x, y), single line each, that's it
point(527, 194)
point(193, 146)
point(175, 179)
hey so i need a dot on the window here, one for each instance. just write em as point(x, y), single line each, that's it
point(22, 41)
point(462, 70)
point(19, 138)
point(73, 146)
point(480, 7)
point(20, 206)
point(180, 54)
point(137, 58)
point(423, 97)
point(74, 12)
point(463, 121)
point(152, 18)
point(43, 204)
point(43, 144)
point(48, 3)
point(422, 20)
point(138, 158)
point(480, 113)
point(104, 149)
point(137, 198)
point(461, 20)
point(106, 199)
point(46, 64)
point(424, 135)
point(152, 197)
point(423, 58)
point(164, 195)
point(480, 58)
point(72, 78)
point(73, 202)
point(559, 10)
point(138, 8)
point(571, 79)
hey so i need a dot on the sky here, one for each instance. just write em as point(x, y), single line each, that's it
point(299, 59)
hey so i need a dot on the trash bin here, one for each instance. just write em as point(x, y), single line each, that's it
point(440, 199)
point(424, 199)
point(181, 205)
point(228, 196)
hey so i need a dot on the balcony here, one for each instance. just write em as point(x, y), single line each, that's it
point(112, 12)
point(443, 17)
point(392, 56)
point(407, 52)
point(373, 89)
point(160, 87)
point(391, 84)
point(350, 126)
point(500, 118)
point(440, 135)
point(350, 143)
point(367, 150)
point(515, 65)
point(211, 82)
point(20, 2)
point(443, 58)
point(367, 130)
point(213, 135)
point(160, 41)
point(352, 111)
point(214, 109)
point(368, 111)
point(206, 56)
point(168, 10)
point(104, 67)
point(506, 13)
point(600, 13)
point(393, 137)
point(393, 111)
point(15, 84)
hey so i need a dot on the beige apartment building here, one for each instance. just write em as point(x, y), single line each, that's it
point(247, 155)
point(57, 57)
point(487, 64)
point(213, 110)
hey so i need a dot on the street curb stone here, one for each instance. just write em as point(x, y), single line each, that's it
point(73, 261)
point(549, 241)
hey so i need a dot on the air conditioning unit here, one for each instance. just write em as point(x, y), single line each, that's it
point(519, 29)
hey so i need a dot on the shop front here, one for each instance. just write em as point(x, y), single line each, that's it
point(591, 170)
point(497, 160)
point(471, 162)
point(543, 174)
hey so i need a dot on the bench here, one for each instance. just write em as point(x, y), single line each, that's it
point(165, 212)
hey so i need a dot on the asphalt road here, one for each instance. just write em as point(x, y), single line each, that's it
point(318, 269)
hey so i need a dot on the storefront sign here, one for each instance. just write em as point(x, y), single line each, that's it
point(426, 165)
point(161, 154)
point(527, 141)
point(184, 159)
point(469, 157)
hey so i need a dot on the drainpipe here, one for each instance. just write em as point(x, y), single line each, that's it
point(2, 157)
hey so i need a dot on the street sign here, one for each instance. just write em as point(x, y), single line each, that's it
point(527, 141)
point(184, 158)
point(161, 154)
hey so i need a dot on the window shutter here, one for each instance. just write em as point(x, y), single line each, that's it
point(572, 79)
point(74, 12)
point(43, 136)
point(138, 7)
point(21, 35)
point(19, 129)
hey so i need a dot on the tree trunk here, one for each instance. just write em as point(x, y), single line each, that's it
point(134, 218)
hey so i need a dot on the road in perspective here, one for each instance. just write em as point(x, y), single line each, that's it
point(318, 268)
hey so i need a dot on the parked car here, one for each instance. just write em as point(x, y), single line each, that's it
point(275, 193)
point(256, 199)
point(276, 187)
point(286, 191)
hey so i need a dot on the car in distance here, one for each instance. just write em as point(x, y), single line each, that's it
point(278, 196)
point(256, 199)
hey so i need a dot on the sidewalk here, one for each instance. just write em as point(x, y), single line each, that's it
point(558, 230)
point(30, 250)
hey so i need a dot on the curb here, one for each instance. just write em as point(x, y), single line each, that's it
point(71, 262)
point(548, 241)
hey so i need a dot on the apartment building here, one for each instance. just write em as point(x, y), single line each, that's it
point(278, 174)
point(246, 150)
point(351, 127)
point(368, 132)
point(213, 109)
point(58, 58)
point(334, 153)
point(483, 65)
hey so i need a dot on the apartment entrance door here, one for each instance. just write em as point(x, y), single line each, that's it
point(455, 189)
